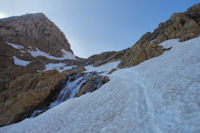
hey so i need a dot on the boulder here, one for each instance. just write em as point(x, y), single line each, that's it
point(92, 84)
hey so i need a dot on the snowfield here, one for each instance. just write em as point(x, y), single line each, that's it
point(160, 95)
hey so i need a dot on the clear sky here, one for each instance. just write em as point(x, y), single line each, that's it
point(95, 26)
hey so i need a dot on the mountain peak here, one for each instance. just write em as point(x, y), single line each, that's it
point(36, 31)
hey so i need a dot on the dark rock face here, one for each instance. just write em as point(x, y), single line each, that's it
point(181, 25)
point(34, 30)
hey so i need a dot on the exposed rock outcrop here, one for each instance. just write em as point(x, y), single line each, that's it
point(92, 84)
point(27, 92)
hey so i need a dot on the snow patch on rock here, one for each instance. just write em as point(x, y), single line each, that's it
point(15, 46)
point(20, 62)
point(58, 66)
point(67, 55)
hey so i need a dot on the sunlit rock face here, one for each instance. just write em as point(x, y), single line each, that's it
point(26, 92)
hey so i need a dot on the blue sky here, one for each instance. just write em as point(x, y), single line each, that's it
point(95, 26)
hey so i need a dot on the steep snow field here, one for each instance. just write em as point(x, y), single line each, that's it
point(160, 95)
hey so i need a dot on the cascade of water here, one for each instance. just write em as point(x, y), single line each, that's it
point(71, 88)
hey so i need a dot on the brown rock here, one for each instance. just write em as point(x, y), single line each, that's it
point(187, 37)
point(26, 92)
point(34, 30)
point(194, 13)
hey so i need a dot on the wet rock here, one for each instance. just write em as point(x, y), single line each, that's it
point(92, 84)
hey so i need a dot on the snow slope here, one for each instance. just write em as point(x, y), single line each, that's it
point(160, 95)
